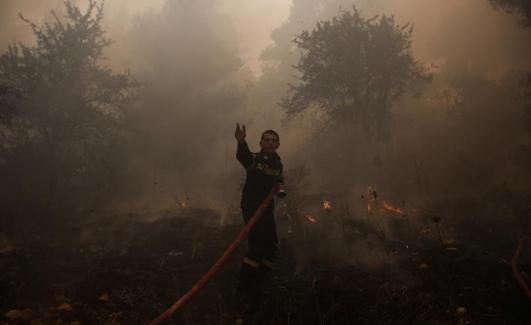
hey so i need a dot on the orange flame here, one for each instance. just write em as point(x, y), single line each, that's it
point(311, 219)
point(327, 205)
point(183, 204)
point(389, 207)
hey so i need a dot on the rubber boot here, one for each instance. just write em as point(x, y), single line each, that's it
point(263, 271)
point(247, 277)
point(244, 295)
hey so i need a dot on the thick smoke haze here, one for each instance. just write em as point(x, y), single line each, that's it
point(405, 139)
point(206, 65)
point(460, 31)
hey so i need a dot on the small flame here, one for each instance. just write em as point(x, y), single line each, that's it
point(183, 204)
point(327, 205)
point(389, 207)
point(311, 219)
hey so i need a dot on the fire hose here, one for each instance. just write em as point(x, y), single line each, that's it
point(221, 261)
point(522, 284)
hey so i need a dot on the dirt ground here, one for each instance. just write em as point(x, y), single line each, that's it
point(344, 269)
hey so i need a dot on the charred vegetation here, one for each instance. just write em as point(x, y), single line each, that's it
point(405, 136)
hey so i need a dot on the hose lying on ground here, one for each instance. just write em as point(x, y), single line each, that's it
point(221, 261)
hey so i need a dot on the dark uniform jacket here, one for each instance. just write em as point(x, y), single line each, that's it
point(264, 171)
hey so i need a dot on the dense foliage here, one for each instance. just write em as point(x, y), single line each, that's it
point(353, 68)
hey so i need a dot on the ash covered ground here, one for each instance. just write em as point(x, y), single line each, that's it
point(388, 267)
point(130, 106)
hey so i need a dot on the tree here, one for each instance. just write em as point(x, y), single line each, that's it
point(353, 68)
point(61, 107)
point(523, 7)
point(280, 57)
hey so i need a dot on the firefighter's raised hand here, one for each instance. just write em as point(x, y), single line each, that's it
point(240, 133)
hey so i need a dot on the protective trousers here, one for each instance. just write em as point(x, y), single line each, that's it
point(262, 250)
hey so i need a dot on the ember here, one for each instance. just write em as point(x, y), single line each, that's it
point(327, 205)
point(389, 207)
point(311, 219)
point(183, 204)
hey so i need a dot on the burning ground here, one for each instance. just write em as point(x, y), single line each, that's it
point(391, 265)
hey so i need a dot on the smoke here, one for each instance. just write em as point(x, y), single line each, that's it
point(457, 31)
point(461, 136)
point(13, 29)
point(206, 65)
point(467, 35)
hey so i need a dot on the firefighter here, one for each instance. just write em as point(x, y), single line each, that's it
point(264, 171)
